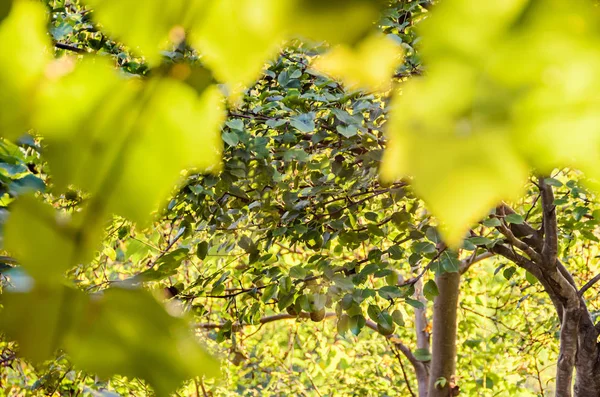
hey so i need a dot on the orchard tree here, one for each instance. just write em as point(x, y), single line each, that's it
point(294, 204)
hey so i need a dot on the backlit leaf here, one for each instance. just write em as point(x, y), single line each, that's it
point(369, 65)
point(24, 30)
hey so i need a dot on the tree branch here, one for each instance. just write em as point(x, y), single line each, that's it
point(524, 231)
point(69, 47)
point(550, 249)
point(514, 241)
point(400, 346)
point(264, 320)
point(589, 284)
point(285, 316)
point(532, 268)
point(467, 263)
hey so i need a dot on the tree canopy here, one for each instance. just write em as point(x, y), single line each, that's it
point(409, 186)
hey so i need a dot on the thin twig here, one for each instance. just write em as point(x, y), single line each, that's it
point(69, 47)
point(399, 358)
point(589, 284)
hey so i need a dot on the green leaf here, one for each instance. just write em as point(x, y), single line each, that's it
point(450, 264)
point(509, 272)
point(415, 303)
point(298, 272)
point(356, 66)
point(395, 252)
point(373, 311)
point(269, 293)
point(531, 278)
point(385, 323)
point(492, 222)
point(202, 250)
point(430, 290)
point(27, 184)
point(479, 240)
point(514, 218)
point(440, 383)
point(398, 318)
point(5, 8)
point(459, 176)
point(343, 324)
point(347, 131)
point(553, 182)
point(422, 355)
point(230, 138)
point(356, 323)
point(390, 292)
point(304, 122)
point(164, 267)
point(343, 282)
point(334, 20)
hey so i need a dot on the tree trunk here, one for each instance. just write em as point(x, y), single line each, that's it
point(443, 363)
point(587, 365)
point(421, 329)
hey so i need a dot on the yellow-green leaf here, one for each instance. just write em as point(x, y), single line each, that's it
point(40, 319)
point(149, 27)
point(336, 21)
point(237, 37)
point(369, 65)
point(127, 142)
point(44, 241)
point(23, 31)
point(128, 332)
point(460, 168)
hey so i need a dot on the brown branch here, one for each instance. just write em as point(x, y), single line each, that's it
point(284, 316)
point(467, 263)
point(69, 47)
point(264, 320)
point(532, 268)
point(524, 231)
point(404, 375)
point(550, 249)
point(589, 284)
point(413, 280)
point(400, 346)
point(514, 241)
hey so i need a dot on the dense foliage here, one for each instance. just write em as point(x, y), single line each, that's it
point(215, 166)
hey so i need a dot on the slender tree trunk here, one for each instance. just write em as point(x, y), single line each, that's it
point(423, 338)
point(443, 363)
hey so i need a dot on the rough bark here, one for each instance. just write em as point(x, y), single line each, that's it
point(578, 334)
point(443, 363)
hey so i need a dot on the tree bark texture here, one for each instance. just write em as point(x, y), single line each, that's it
point(443, 363)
